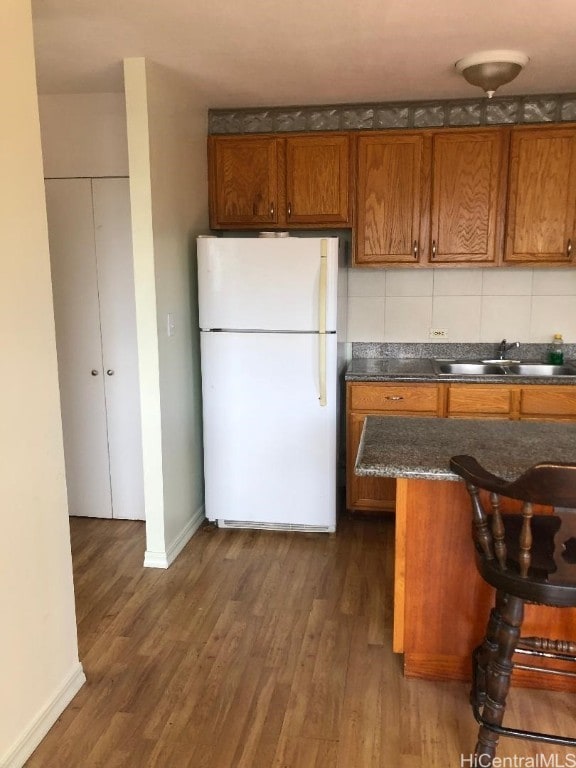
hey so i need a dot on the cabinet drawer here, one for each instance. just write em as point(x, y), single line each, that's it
point(394, 398)
point(474, 399)
point(548, 401)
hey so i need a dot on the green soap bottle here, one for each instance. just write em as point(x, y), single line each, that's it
point(556, 354)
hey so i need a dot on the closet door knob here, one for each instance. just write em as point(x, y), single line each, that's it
point(110, 372)
point(94, 372)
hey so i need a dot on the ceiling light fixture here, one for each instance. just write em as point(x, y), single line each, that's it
point(491, 69)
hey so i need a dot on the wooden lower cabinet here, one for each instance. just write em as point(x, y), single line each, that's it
point(549, 402)
point(366, 494)
point(470, 401)
point(540, 402)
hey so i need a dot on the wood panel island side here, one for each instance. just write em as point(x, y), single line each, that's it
point(441, 604)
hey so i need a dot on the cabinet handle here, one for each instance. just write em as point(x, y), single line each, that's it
point(94, 372)
point(394, 397)
point(433, 249)
point(569, 248)
point(272, 210)
point(289, 209)
point(110, 372)
point(415, 249)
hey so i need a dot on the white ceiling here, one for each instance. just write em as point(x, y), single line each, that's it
point(272, 52)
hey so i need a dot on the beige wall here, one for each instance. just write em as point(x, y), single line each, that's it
point(84, 135)
point(168, 182)
point(39, 666)
point(473, 305)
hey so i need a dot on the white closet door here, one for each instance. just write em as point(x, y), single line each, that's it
point(75, 289)
point(111, 198)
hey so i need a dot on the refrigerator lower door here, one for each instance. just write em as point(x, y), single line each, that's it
point(269, 445)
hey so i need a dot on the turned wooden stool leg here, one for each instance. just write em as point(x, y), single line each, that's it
point(483, 653)
point(498, 674)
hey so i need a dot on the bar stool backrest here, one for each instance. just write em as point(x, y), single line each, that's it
point(532, 547)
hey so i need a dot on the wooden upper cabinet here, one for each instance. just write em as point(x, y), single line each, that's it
point(467, 196)
point(392, 207)
point(542, 196)
point(423, 197)
point(430, 197)
point(317, 180)
point(296, 181)
point(243, 180)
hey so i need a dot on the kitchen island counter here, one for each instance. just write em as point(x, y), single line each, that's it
point(421, 448)
point(441, 604)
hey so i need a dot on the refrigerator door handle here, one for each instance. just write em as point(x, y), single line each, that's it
point(322, 342)
point(322, 320)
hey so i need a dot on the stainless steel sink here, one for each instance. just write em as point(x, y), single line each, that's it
point(541, 369)
point(469, 369)
point(500, 368)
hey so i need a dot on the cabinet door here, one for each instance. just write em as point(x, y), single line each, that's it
point(368, 493)
point(244, 181)
point(467, 184)
point(392, 198)
point(317, 180)
point(542, 196)
point(80, 370)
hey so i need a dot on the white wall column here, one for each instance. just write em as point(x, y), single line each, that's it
point(167, 128)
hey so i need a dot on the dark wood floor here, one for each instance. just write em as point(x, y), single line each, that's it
point(257, 649)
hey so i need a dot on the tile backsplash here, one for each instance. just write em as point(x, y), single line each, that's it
point(472, 305)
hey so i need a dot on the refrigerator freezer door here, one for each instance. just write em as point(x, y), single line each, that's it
point(269, 284)
point(269, 446)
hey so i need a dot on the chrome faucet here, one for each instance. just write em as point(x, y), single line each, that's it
point(503, 347)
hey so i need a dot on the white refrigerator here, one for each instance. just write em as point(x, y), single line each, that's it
point(268, 320)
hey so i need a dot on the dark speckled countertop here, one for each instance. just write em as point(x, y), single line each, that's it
point(420, 448)
point(420, 369)
point(390, 368)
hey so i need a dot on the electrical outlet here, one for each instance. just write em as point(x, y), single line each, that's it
point(438, 333)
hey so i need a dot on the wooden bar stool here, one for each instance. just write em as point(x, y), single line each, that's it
point(527, 558)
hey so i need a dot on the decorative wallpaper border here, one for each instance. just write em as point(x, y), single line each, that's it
point(513, 110)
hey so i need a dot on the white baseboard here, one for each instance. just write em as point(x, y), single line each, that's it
point(165, 559)
point(44, 720)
